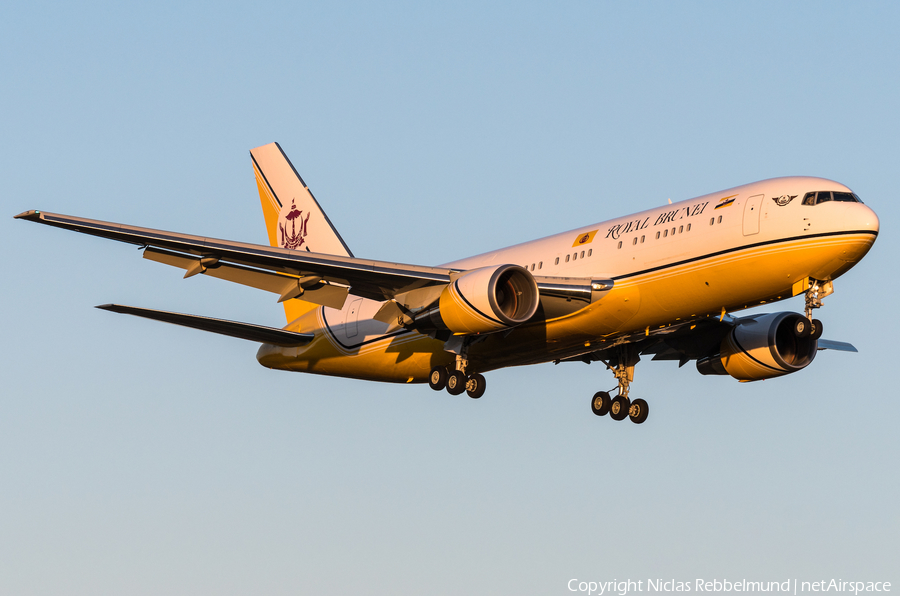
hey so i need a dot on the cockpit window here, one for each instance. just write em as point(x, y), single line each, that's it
point(824, 196)
point(846, 197)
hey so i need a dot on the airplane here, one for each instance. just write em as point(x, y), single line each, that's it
point(663, 282)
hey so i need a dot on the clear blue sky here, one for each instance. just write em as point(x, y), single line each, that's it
point(140, 458)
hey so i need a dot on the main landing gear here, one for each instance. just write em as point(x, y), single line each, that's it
point(620, 406)
point(457, 381)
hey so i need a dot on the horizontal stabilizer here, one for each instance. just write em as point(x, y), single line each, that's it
point(840, 346)
point(249, 331)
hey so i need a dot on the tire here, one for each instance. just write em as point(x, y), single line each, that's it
point(638, 411)
point(600, 403)
point(456, 383)
point(437, 380)
point(817, 329)
point(802, 327)
point(475, 385)
point(618, 409)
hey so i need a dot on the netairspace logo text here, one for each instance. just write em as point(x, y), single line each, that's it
point(791, 586)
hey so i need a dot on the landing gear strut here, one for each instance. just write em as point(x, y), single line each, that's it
point(456, 380)
point(814, 294)
point(620, 406)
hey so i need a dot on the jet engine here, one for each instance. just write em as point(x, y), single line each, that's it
point(483, 300)
point(762, 347)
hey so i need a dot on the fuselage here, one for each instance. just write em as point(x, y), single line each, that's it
point(720, 252)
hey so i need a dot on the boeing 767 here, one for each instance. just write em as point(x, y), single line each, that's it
point(661, 282)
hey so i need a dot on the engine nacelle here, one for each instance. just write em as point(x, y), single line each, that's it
point(484, 300)
point(761, 347)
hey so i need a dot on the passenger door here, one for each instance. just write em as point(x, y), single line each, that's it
point(351, 323)
point(752, 209)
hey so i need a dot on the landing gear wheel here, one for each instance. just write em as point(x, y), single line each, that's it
point(456, 382)
point(475, 385)
point(618, 409)
point(437, 380)
point(600, 403)
point(802, 327)
point(638, 411)
point(817, 328)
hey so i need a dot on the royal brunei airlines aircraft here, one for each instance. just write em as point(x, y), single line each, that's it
point(660, 282)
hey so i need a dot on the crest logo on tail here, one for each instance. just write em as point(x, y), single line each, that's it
point(292, 226)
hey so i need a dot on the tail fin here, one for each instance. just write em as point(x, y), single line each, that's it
point(293, 217)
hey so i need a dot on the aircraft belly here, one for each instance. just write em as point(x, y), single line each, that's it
point(350, 343)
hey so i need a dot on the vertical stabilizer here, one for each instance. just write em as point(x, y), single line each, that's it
point(294, 219)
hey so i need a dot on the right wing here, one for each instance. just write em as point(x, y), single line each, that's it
point(377, 280)
point(314, 277)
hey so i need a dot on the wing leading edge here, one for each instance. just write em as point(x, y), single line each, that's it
point(377, 280)
point(292, 273)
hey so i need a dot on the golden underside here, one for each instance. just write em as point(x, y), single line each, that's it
point(733, 281)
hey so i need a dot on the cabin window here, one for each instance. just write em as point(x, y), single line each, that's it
point(689, 228)
point(532, 266)
point(557, 261)
point(657, 235)
point(720, 219)
point(634, 241)
point(567, 258)
point(665, 232)
point(590, 251)
point(712, 220)
point(540, 264)
point(582, 254)
point(620, 244)
point(642, 239)
point(680, 229)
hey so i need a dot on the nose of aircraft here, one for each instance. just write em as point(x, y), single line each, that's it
point(858, 218)
point(865, 218)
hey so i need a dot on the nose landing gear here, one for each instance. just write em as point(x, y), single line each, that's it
point(621, 407)
point(814, 294)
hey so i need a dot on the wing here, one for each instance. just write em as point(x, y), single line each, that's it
point(377, 280)
point(314, 277)
point(685, 341)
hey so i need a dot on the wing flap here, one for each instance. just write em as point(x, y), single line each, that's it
point(377, 280)
point(248, 331)
point(309, 289)
point(260, 266)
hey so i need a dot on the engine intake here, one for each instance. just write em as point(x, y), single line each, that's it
point(484, 300)
point(761, 347)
